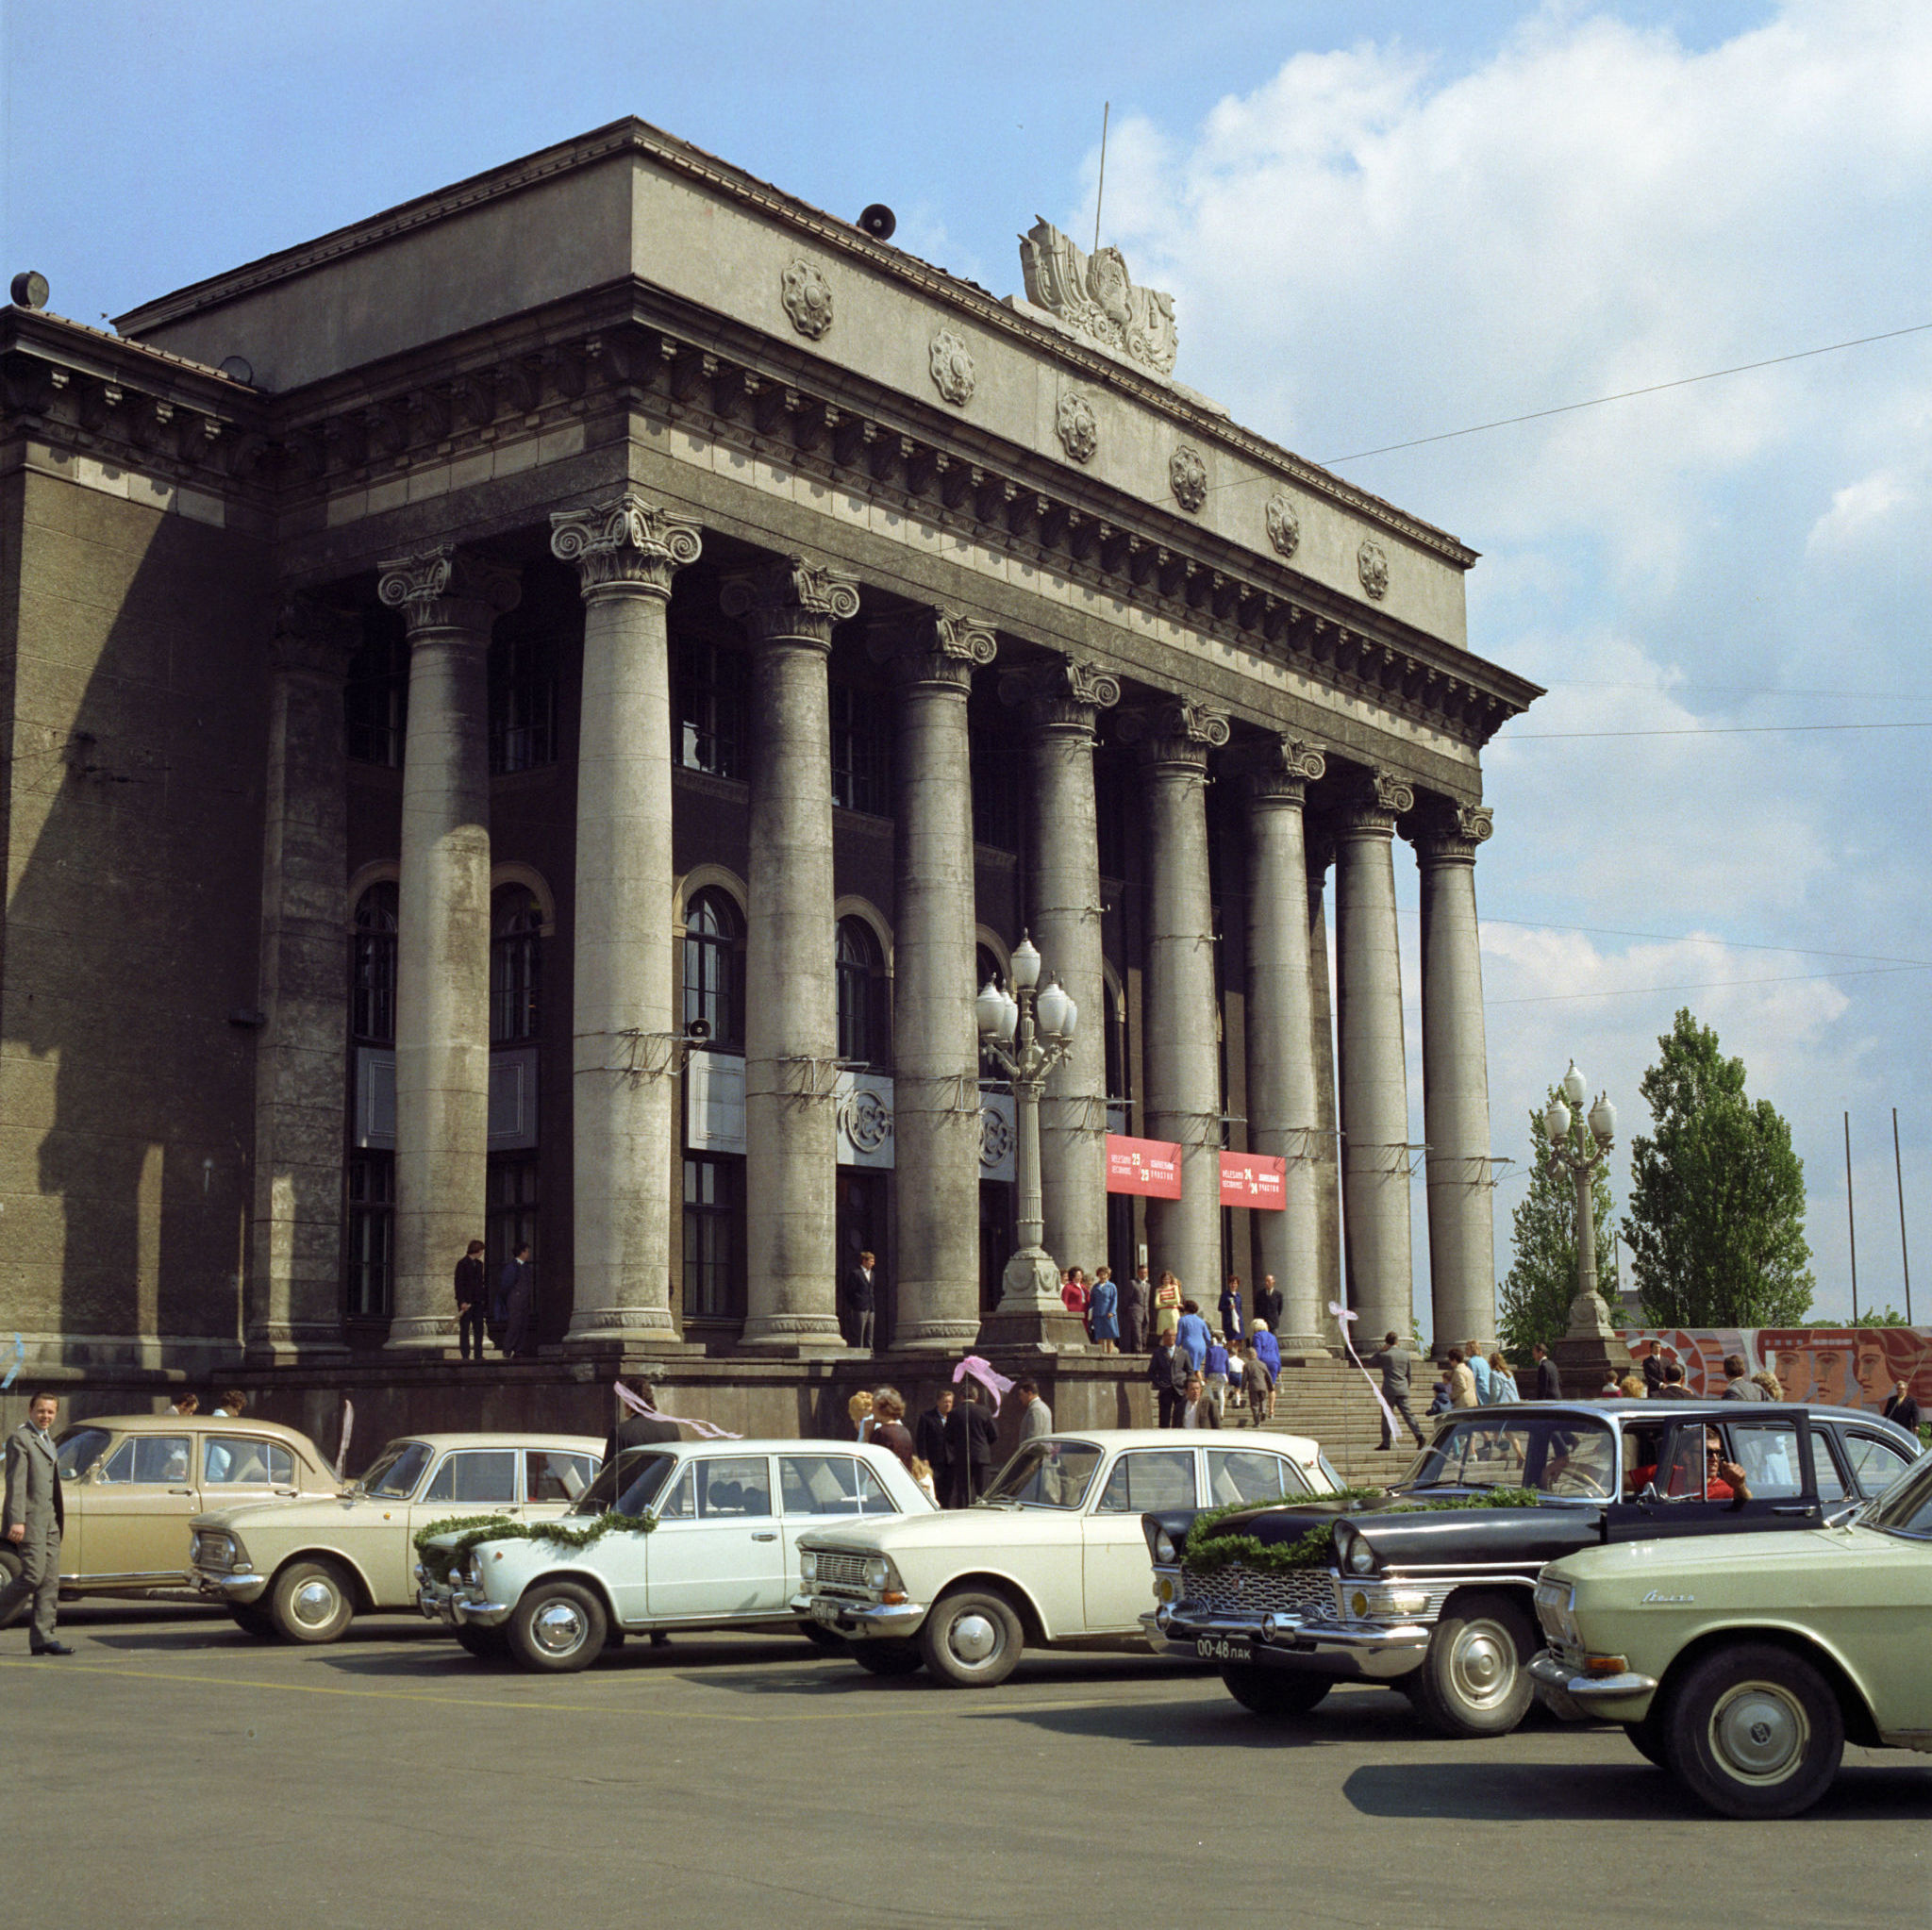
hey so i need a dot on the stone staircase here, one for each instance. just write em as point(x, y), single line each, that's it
point(1331, 1402)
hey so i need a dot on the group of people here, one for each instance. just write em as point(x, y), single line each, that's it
point(1470, 1376)
point(949, 1450)
point(507, 1317)
point(1199, 1372)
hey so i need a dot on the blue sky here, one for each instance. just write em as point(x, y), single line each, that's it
point(1380, 222)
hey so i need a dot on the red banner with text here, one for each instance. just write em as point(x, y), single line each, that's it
point(1152, 1167)
point(1253, 1179)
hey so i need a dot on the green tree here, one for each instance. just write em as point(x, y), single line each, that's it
point(1534, 1303)
point(1716, 1226)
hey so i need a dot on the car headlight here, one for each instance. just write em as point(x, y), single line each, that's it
point(1353, 1552)
point(878, 1572)
point(1164, 1549)
point(807, 1565)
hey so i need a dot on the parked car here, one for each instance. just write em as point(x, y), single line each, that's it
point(1052, 1557)
point(720, 1550)
point(132, 1482)
point(1745, 1669)
point(1439, 1604)
point(302, 1570)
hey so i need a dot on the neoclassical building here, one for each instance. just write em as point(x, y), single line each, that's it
point(530, 717)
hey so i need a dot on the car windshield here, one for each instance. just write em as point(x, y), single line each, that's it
point(396, 1471)
point(1564, 1455)
point(1329, 1467)
point(80, 1448)
point(1905, 1507)
point(1046, 1473)
point(629, 1483)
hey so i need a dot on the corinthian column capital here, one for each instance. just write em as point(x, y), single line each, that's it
point(1282, 768)
point(1449, 832)
point(311, 639)
point(629, 542)
point(447, 589)
point(792, 600)
point(1061, 693)
point(1177, 732)
point(1373, 802)
point(938, 645)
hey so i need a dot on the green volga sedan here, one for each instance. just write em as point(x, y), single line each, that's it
point(1743, 1664)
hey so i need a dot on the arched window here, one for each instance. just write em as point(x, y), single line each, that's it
point(864, 1037)
point(372, 965)
point(516, 982)
point(986, 968)
point(714, 968)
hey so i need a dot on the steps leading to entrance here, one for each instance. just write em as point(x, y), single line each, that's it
point(1332, 1403)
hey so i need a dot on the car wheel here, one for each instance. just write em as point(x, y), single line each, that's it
point(557, 1627)
point(486, 1645)
point(1755, 1731)
point(251, 1620)
point(1647, 1737)
point(11, 1572)
point(1475, 1678)
point(886, 1657)
point(1274, 1692)
point(971, 1640)
point(820, 1637)
point(312, 1602)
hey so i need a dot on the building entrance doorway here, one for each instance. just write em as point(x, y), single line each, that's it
point(862, 1230)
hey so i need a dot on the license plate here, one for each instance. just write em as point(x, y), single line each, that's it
point(826, 1612)
point(1223, 1648)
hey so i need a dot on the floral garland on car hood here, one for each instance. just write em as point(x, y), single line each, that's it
point(472, 1531)
point(1316, 1549)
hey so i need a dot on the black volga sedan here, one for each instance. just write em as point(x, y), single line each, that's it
point(1428, 1586)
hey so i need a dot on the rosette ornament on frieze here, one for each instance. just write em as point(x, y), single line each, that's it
point(1372, 566)
point(808, 298)
point(952, 373)
point(1077, 424)
point(1284, 525)
point(1186, 475)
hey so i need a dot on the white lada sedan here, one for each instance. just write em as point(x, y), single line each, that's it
point(714, 1545)
point(1052, 1557)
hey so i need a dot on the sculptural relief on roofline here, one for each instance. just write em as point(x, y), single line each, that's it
point(1093, 295)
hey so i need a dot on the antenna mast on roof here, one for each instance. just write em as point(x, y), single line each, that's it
point(1105, 108)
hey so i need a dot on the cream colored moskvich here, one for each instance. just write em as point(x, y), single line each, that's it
point(1743, 1664)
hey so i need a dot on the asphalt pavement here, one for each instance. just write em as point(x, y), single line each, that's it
point(176, 1771)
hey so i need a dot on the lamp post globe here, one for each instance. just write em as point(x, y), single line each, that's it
point(1591, 1349)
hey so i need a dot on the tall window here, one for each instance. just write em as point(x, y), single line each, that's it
point(373, 966)
point(861, 754)
point(511, 1213)
point(710, 729)
point(1117, 1062)
point(516, 940)
point(1113, 806)
point(523, 701)
point(714, 968)
point(713, 1239)
point(372, 1234)
point(995, 795)
point(376, 698)
point(863, 1005)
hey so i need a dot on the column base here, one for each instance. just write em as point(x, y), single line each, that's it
point(598, 1329)
point(1587, 1361)
point(937, 1337)
point(430, 1337)
point(1031, 1316)
point(1308, 1347)
point(286, 1344)
point(787, 1337)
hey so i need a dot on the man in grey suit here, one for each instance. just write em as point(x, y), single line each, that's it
point(1395, 1361)
point(33, 1519)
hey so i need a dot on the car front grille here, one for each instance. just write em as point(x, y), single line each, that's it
point(1224, 1591)
point(841, 1571)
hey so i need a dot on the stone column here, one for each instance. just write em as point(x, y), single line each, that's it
point(1325, 1148)
point(935, 1039)
point(1374, 1092)
point(1062, 699)
point(449, 598)
point(1183, 1052)
point(625, 1026)
point(1455, 1079)
point(295, 1286)
point(792, 1011)
point(1282, 1119)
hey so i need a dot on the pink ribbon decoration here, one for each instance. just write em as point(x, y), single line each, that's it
point(705, 1430)
point(1344, 1318)
point(990, 1378)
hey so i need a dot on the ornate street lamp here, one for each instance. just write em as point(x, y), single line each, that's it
point(1578, 1148)
point(1026, 1033)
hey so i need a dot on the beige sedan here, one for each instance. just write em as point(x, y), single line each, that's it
point(131, 1483)
point(302, 1571)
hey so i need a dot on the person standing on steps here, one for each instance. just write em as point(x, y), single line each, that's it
point(517, 1291)
point(1103, 1311)
point(1134, 1303)
point(862, 1301)
point(1268, 1303)
point(472, 1289)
